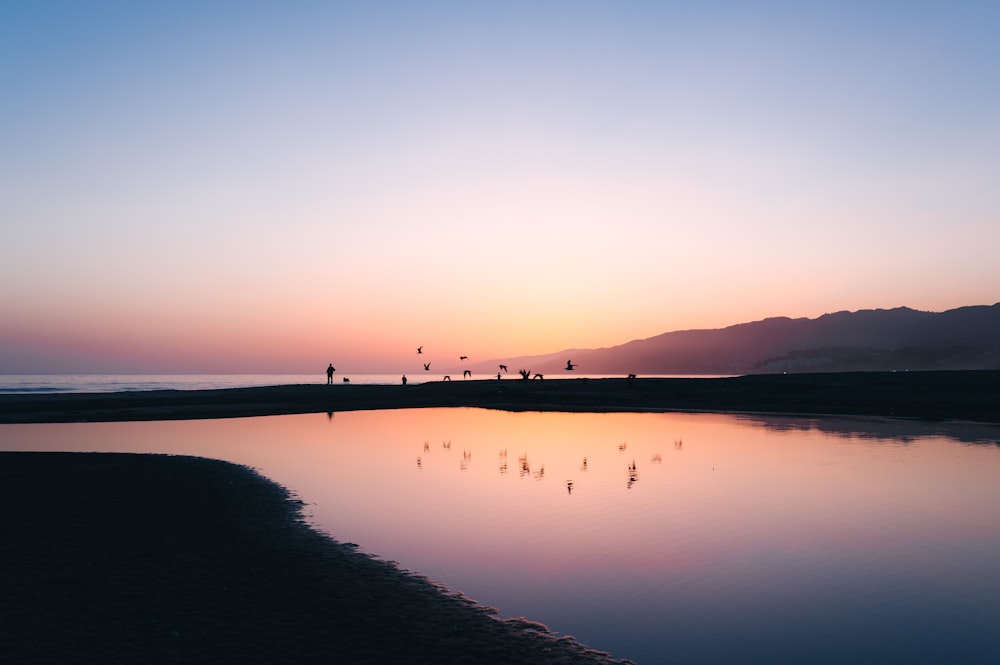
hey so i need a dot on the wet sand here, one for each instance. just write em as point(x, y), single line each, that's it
point(119, 558)
point(961, 395)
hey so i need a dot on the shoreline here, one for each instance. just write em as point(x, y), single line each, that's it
point(119, 557)
point(972, 396)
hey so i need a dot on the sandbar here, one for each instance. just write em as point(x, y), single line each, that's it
point(945, 395)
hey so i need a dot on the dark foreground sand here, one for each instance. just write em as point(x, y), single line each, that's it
point(965, 395)
point(117, 558)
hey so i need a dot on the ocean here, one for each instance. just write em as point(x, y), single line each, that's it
point(110, 383)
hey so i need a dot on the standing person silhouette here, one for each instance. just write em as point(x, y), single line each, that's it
point(329, 374)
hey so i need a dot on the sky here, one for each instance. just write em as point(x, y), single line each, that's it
point(253, 187)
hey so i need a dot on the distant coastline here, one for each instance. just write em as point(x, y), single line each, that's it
point(972, 395)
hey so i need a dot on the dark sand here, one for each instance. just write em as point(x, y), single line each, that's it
point(110, 558)
point(118, 558)
point(964, 395)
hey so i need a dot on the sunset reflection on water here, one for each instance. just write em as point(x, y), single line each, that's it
point(697, 537)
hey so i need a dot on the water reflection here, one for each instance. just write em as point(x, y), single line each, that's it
point(658, 537)
point(900, 430)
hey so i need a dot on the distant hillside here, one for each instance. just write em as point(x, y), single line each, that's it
point(901, 338)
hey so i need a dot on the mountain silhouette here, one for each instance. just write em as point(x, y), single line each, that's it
point(879, 339)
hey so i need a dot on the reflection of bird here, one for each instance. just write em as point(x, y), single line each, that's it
point(504, 368)
point(463, 357)
point(570, 366)
point(427, 366)
point(420, 349)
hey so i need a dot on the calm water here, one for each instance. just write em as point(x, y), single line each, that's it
point(658, 537)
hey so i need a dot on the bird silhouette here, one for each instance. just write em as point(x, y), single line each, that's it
point(463, 357)
point(570, 366)
point(420, 349)
point(504, 368)
point(427, 367)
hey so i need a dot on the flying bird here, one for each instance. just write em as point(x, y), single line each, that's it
point(504, 368)
point(420, 349)
point(427, 367)
point(570, 366)
point(463, 357)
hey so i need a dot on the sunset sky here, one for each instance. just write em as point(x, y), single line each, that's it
point(270, 186)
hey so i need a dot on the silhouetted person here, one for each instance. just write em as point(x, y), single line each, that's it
point(404, 379)
point(329, 374)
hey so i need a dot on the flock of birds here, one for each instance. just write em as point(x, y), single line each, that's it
point(502, 369)
point(467, 374)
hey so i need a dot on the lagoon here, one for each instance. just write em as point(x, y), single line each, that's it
point(693, 538)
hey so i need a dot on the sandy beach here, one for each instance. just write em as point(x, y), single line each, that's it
point(958, 395)
point(161, 559)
